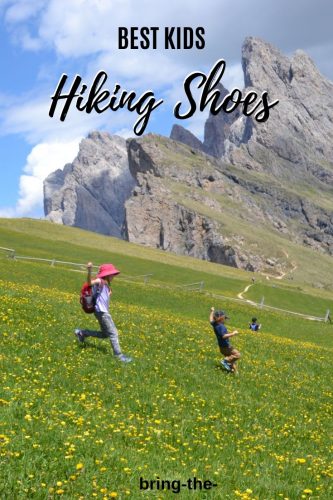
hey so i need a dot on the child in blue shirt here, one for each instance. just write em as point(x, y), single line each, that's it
point(254, 325)
point(231, 355)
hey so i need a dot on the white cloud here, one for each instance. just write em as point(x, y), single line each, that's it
point(88, 27)
point(43, 159)
point(31, 188)
point(29, 42)
point(22, 10)
point(140, 70)
point(47, 157)
point(91, 26)
point(30, 117)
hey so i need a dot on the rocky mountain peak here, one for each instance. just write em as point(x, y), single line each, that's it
point(91, 192)
point(298, 136)
point(264, 66)
point(181, 134)
point(226, 199)
point(217, 128)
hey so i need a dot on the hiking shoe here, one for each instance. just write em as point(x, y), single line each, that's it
point(124, 359)
point(79, 335)
point(226, 365)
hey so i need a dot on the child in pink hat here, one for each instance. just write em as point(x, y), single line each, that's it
point(103, 280)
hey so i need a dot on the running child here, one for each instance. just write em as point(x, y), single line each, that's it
point(103, 281)
point(231, 355)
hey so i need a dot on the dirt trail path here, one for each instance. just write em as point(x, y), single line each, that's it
point(240, 295)
point(282, 274)
point(268, 277)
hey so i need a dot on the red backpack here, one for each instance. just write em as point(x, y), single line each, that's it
point(89, 295)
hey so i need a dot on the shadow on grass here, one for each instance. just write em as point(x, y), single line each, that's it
point(220, 368)
point(98, 347)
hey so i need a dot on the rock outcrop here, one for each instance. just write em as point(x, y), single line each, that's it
point(217, 128)
point(91, 192)
point(297, 139)
point(181, 134)
point(155, 218)
point(294, 147)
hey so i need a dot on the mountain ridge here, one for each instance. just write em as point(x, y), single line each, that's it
point(213, 199)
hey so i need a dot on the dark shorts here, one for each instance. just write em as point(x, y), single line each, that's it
point(230, 352)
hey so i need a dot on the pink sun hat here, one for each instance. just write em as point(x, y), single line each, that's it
point(107, 270)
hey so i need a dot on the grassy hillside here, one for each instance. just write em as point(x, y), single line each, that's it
point(77, 424)
point(21, 232)
point(46, 240)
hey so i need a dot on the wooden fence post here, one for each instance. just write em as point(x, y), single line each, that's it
point(328, 317)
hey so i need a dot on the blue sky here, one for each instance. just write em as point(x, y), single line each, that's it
point(41, 39)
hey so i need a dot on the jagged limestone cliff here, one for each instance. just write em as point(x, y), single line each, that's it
point(91, 192)
point(233, 198)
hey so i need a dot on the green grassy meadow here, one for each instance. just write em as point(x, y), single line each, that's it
point(75, 423)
